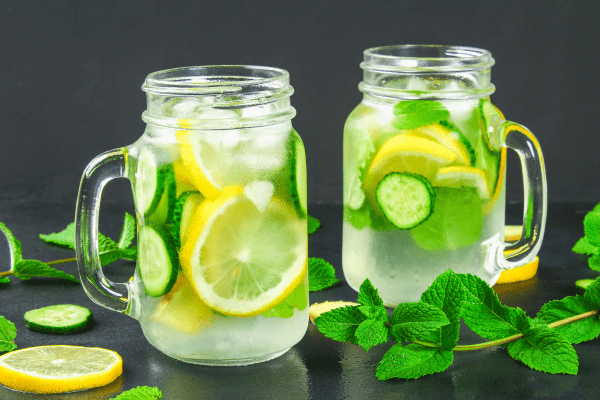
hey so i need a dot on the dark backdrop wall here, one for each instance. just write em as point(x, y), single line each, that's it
point(71, 71)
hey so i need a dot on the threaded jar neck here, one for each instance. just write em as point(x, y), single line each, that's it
point(426, 72)
point(218, 97)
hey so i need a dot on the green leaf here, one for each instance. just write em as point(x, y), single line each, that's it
point(4, 281)
point(341, 323)
point(8, 333)
point(313, 224)
point(26, 269)
point(297, 299)
point(140, 393)
point(321, 274)
point(592, 294)
point(413, 361)
point(415, 113)
point(412, 321)
point(368, 295)
point(544, 350)
point(371, 333)
point(13, 245)
point(66, 237)
point(127, 232)
point(376, 313)
point(591, 227)
point(583, 246)
point(446, 293)
point(594, 262)
point(577, 331)
point(485, 315)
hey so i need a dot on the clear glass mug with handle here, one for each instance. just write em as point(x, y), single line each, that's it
point(219, 185)
point(424, 173)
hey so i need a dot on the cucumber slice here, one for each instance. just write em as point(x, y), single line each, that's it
point(59, 319)
point(149, 182)
point(458, 135)
point(406, 199)
point(163, 213)
point(157, 260)
point(186, 204)
point(298, 178)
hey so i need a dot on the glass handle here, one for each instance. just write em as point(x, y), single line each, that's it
point(102, 169)
point(520, 139)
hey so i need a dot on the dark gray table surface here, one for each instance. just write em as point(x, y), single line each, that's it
point(317, 367)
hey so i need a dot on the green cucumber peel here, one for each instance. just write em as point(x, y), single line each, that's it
point(544, 343)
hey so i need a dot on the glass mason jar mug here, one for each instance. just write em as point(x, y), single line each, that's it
point(219, 184)
point(424, 173)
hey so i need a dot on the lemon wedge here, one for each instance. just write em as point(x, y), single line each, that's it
point(192, 157)
point(241, 261)
point(446, 138)
point(461, 176)
point(59, 369)
point(182, 310)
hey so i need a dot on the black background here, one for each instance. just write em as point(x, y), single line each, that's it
point(71, 71)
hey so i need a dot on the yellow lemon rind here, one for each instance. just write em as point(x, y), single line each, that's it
point(522, 273)
point(194, 172)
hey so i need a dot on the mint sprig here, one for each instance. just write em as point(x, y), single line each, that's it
point(110, 251)
point(432, 325)
point(8, 333)
point(589, 244)
point(140, 393)
point(412, 114)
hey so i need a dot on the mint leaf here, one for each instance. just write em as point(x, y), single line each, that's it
point(412, 321)
point(413, 361)
point(376, 313)
point(341, 323)
point(127, 232)
point(583, 246)
point(66, 237)
point(371, 333)
point(446, 293)
point(14, 245)
point(544, 350)
point(312, 224)
point(485, 315)
point(8, 333)
point(140, 393)
point(321, 274)
point(368, 295)
point(297, 299)
point(577, 331)
point(415, 113)
point(594, 262)
point(4, 281)
point(26, 269)
point(592, 294)
point(591, 227)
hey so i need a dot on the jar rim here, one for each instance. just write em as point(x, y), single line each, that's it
point(215, 79)
point(415, 58)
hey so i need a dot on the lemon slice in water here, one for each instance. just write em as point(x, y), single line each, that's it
point(242, 261)
point(460, 176)
point(59, 369)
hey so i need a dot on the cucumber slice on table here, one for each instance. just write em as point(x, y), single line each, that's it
point(583, 284)
point(298, 178)
point(406, 199)
point(58, 319)
point(157, 260)
point(186, 204)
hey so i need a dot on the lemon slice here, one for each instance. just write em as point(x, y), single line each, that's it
point(192, 157)
point(406, 153)
point(512, 233)
point(518, 274)
point(59, 369)
point(241, 261)
point(460, 176)
point(446, 138)
point(182, 310)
